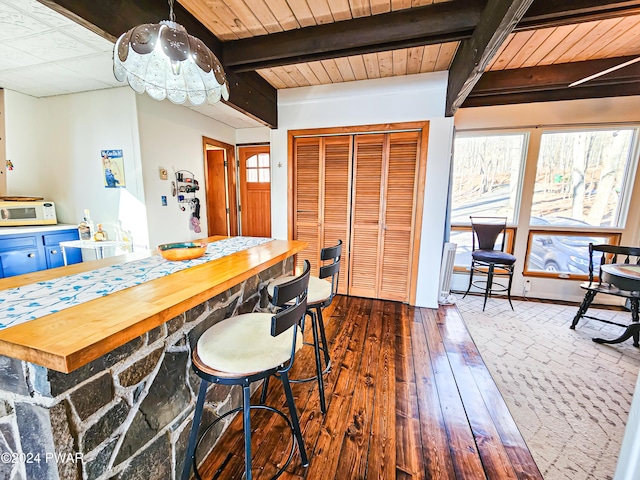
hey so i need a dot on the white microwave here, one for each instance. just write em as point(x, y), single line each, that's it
point(27, 213)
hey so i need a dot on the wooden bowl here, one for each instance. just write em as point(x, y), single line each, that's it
point(182, 251)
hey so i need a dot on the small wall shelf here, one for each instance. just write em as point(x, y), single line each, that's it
point(184, 188)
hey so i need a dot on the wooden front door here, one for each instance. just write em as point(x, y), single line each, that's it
point(255, 191)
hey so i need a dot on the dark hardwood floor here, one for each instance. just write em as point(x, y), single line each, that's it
point(408, 397)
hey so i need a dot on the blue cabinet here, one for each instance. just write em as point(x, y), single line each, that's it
point(29, 252)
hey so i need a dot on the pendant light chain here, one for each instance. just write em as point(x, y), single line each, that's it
point(172, 17)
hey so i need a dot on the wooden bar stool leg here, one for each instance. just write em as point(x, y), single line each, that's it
point(246, 416)
point(195, 426)
point(293, 412)
point(316, 348)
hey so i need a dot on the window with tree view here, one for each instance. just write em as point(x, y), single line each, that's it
point(581, 178)
point(487, 175)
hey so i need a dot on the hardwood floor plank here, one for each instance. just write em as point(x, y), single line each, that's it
point(408, 398)
point(382, 447)
point(352, 462)
point(457, 343)
point(464, 452)
point(436, 455)
point(510, 436)
point(408, 438)
point(328, 449)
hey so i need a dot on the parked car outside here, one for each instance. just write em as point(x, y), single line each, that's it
point(560, 252)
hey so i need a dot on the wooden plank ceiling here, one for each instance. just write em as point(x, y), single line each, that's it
point(496, 51)
point(238, 19)
point(569, 31)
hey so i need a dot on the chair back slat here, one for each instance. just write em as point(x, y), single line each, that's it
point(294, 290)
point(331, 253)
point(486, 230)
point(610, 254)
point(285, 292)
point(285, 319)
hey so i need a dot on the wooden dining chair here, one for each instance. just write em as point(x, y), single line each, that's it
point(600, 255)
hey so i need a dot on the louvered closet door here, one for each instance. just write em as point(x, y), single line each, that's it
point(307, 206)
point(398, 222)
point(336, 219)
point(368, 170)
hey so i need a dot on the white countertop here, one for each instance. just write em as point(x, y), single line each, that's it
point(34, 229)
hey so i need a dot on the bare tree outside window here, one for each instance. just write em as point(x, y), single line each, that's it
point(581, 175)
point(486, 175)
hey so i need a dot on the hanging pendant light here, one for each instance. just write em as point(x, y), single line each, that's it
point(166, 62)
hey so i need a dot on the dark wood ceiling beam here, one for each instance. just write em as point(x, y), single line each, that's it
point(551, 82)
point(249, 93)
point(498, 20)
point(574, 93)
point(545, 13)
point(432, 24)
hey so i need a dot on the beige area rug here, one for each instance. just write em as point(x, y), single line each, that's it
point(569, 396)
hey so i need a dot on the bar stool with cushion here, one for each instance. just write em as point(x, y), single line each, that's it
point(322, 289)
point(247, 348)
point(487, 260)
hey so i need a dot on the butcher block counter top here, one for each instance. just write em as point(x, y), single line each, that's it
point(70, 338)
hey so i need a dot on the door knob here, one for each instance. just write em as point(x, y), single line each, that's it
point(54, 252)
point(31, 255)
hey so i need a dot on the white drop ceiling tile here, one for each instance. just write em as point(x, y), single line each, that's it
point(51, 46)
point(11, 58)
point(14, 23)
point(43, 13)
point(26, 83)
point(226, 115)
point(92, 39)
point(98, 67)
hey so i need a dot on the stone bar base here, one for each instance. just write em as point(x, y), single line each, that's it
point(126, 415)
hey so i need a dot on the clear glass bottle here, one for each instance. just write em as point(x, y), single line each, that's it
point(89, 223)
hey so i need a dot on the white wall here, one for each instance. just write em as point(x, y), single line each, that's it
point(388, 100)
point(253, 135)
point(55, 144)
point(171, 138)
point(574, 112)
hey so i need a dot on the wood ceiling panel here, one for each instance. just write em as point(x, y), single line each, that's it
point(445, 56)
point(625, 43)
point(235, 19)
point(406, 61)
point(612, 37)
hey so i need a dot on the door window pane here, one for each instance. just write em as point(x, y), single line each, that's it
point(252, 161)
point(263, 160)
point(580, 178)
point(252, 175)
point(264, 175)
point(487, 175)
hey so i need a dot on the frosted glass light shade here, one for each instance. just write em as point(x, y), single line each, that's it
point(166, 62)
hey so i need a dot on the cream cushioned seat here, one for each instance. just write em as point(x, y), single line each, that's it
point(318, 291)
point(243, 344)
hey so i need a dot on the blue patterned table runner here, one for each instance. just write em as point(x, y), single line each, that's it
point(22, 304)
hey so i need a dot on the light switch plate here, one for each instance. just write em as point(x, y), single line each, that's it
point(163, 174)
